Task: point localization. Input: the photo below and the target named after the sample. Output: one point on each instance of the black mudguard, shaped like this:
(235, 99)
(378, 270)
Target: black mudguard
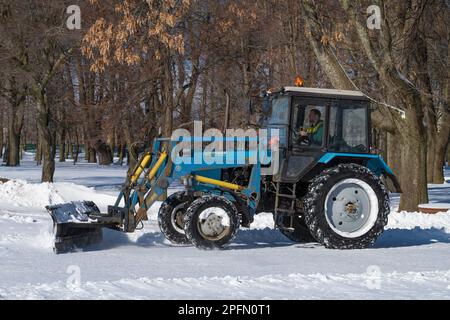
(392, 183)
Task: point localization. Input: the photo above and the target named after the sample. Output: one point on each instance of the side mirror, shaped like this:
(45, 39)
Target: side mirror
(266, 106)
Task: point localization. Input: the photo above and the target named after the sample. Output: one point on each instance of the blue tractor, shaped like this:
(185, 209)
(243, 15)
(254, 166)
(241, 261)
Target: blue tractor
(328, 187)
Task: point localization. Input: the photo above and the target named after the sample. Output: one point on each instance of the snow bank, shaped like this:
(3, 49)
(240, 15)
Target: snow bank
(412, 220)
(397, 220)
(73, 192)
(19, 193)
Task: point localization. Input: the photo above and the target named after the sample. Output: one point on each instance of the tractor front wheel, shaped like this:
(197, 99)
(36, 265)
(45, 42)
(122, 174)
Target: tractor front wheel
(211, 222)
(171, 215)
(346, 207)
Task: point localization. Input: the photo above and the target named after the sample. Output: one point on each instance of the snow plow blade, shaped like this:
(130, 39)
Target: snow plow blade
(79, 224)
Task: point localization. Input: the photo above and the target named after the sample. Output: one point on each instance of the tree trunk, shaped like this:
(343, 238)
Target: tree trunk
(133, 155)
(46, 137)
(68, 150)
(382, 143)
(5, 154)
(77, 148)
(62, 151)
(411, 130)
(226, 121)
(212, 109)
(111, 144)
(1, 134)
(439, 160)
(104, 153)
(437, 146)
(131, 147)
(38, 157)
(442, 126)
(393, 153)
(1, 142)
(439, 163)
(14, 149)
(204, 102)
(413, 178)
(62, 145)
(76, 152)
(448, 154)
(23, 144)
(431, 156)
(121, 153)
(168, 117)
(443, 136)
(90, 154)
(15, 125)
(438, 128)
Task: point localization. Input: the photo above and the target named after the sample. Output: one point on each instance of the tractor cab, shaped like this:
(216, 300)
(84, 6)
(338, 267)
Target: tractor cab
(316, 122)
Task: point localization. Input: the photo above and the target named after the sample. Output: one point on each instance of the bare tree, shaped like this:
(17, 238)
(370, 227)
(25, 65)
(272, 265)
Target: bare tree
(33, 39)
(389, 54)
(2, 128)
(14, 93)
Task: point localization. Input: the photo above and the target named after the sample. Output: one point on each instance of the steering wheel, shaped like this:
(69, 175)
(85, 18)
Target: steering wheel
(360, 148)
(298, 139)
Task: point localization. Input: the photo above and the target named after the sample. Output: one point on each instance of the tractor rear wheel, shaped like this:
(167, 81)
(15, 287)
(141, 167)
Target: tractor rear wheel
(346, 207)
(171, 215)
(211, 222)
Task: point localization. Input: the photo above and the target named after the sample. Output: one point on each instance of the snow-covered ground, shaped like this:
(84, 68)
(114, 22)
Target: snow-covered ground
(411, 260)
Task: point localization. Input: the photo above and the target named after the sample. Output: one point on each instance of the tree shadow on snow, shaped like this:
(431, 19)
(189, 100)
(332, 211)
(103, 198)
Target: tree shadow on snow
(392, 238)
(115, 239)
(258, 239)
(270, 238)
(245, 239)
(398, 238)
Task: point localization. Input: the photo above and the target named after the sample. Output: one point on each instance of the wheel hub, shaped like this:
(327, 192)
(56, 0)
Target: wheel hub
(214, 224)
(351, 208)
(176, 217)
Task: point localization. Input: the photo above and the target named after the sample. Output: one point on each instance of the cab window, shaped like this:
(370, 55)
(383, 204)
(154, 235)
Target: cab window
(348, 128)
(308, 124)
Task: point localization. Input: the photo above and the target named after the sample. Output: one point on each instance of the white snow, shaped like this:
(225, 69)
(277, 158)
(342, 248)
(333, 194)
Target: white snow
(411, 260)
(439, 206)
(22, 194)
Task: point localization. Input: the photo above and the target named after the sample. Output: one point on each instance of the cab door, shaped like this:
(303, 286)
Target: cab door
(306, 144)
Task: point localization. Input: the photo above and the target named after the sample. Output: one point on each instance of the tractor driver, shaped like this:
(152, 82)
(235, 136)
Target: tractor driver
(314, 134)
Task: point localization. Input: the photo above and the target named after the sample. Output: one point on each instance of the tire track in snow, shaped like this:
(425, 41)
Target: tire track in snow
(410, 285)
(19, 218)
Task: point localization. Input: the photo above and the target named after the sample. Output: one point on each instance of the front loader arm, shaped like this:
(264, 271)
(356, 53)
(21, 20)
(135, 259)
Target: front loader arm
(145, 185)
(79, 224)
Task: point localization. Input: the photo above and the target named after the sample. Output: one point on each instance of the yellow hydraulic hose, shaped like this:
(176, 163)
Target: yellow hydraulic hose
(158, 165)
(219, 183)
(141, 168)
